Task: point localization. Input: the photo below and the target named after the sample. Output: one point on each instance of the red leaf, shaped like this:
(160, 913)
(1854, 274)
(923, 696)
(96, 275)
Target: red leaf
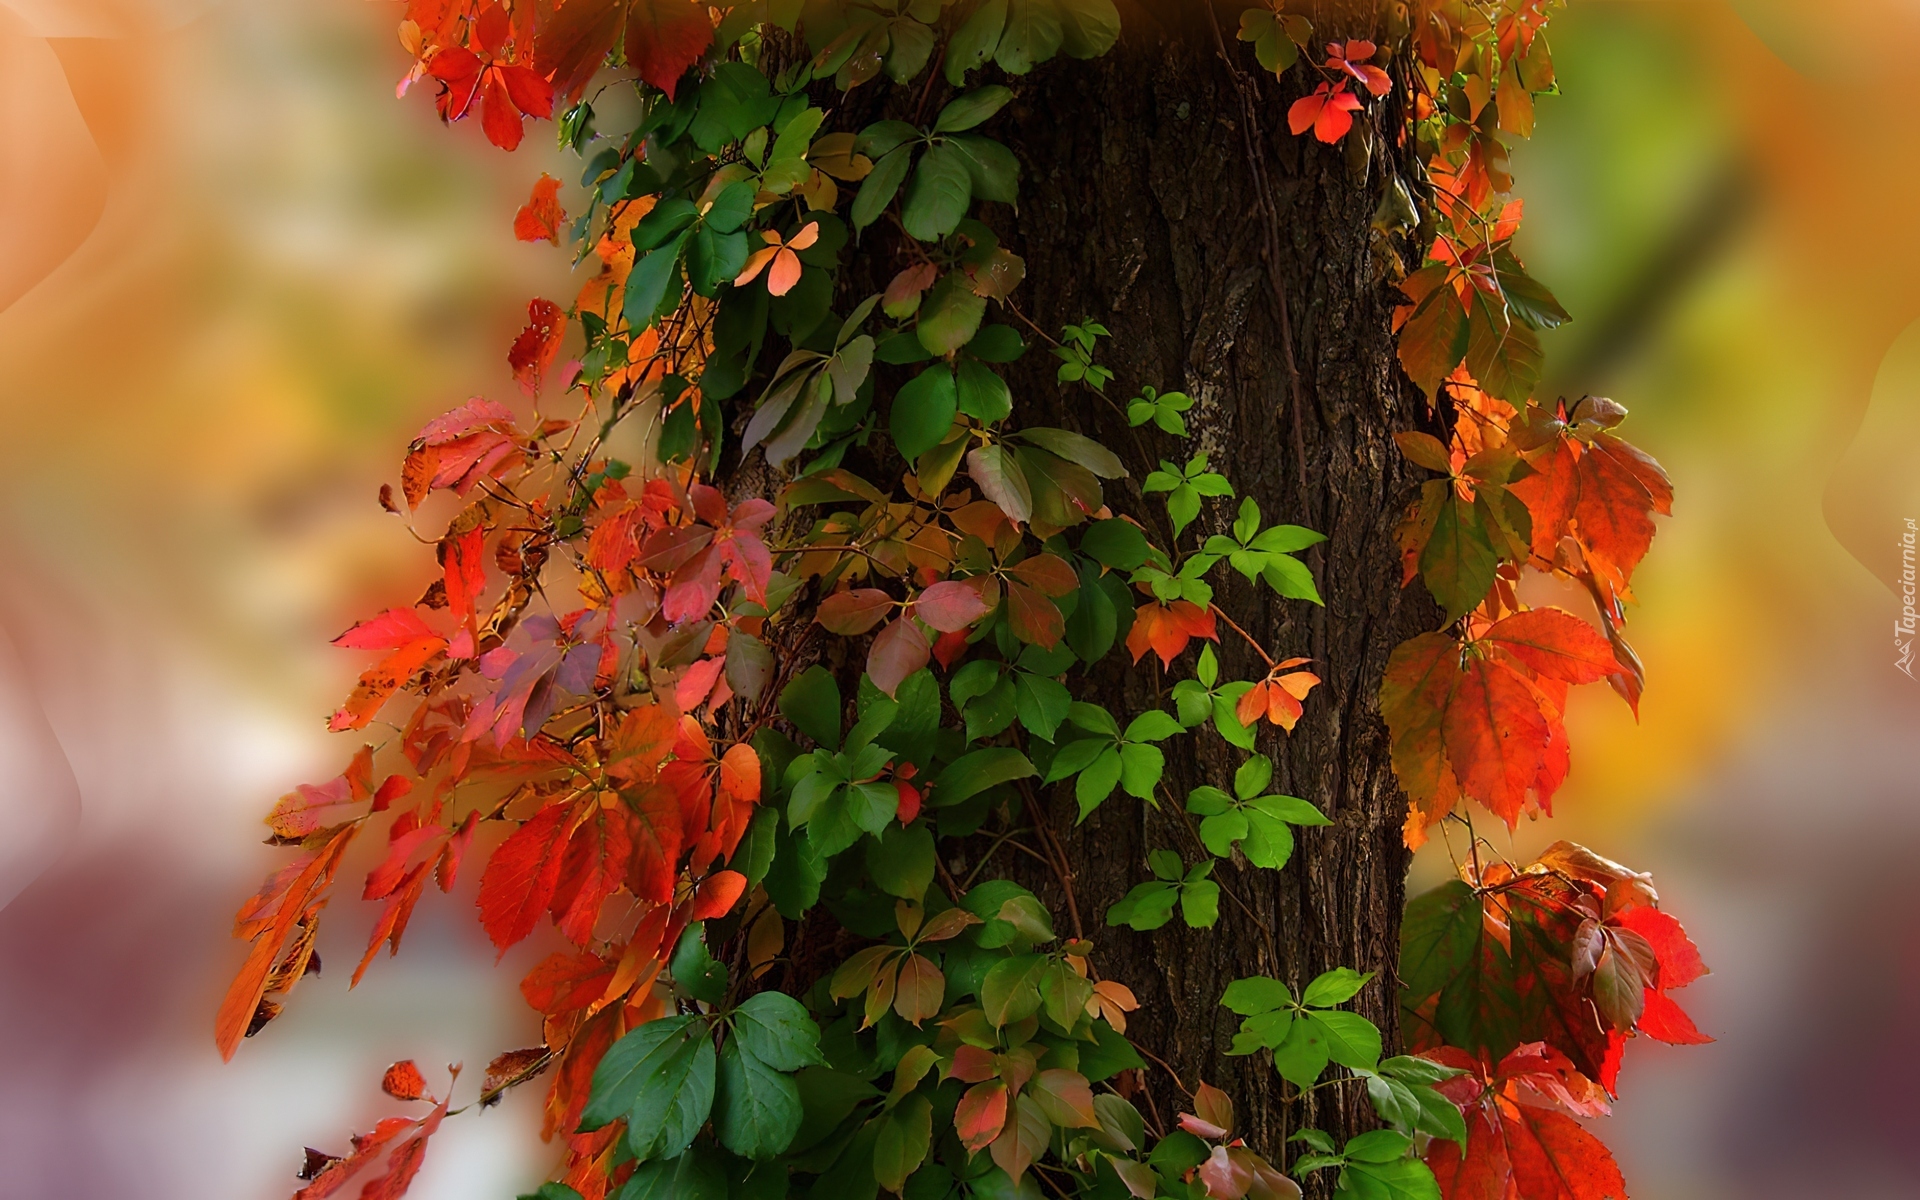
(563, 982)
(598, 858)
(918, 994)
(1328, 111)
(540, 218)
(950, 606)
(268, 917)
(403, 1081)
(657, 840)
(981, 1114)
(1556, 644)
(538, 344)
(519, 881)
(402, 1164)
(389, 631)
(1666, 1021)
(574, 41)
(498, 116)
(897, 652)
(852, 613)
(1047, 574)
(1032, 617)
(1679, 958)
(1496, 736)
(718, 893)
(665, 37)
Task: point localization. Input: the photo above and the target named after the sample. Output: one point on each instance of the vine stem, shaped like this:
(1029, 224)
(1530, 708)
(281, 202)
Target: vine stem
(1257, 647)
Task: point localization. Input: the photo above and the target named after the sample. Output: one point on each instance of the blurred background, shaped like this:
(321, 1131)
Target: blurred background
(236, 276)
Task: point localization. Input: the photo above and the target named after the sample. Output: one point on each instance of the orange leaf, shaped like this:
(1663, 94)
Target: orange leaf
(718, 893)
(1166, 629)
(540, 218)
(403, 1081)
(382, 681)
(1495, 735)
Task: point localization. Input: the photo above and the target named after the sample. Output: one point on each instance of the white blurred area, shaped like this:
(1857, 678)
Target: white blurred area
(236, 275)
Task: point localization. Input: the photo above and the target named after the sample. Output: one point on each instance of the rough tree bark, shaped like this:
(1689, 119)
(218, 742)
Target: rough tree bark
(1163, 196)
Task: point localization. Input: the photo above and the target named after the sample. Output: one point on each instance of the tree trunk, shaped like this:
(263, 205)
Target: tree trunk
(1163, 196)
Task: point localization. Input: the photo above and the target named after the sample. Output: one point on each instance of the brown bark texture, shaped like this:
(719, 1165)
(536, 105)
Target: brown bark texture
(1163, 196)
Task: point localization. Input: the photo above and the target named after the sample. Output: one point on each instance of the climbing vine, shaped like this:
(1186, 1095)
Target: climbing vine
(723, 720)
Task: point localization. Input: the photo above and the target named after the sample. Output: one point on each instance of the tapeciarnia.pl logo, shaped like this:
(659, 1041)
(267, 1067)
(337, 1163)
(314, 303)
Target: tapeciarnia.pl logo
(1904, 624)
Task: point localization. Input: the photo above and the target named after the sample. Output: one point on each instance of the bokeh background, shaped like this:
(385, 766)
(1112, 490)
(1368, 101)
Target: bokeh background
(235, 276)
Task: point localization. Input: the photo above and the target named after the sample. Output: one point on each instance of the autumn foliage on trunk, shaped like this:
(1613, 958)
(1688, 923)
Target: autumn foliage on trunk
(764, 621)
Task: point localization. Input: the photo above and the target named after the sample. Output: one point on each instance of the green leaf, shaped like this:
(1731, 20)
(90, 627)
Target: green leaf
(1458, 563)
(1378, 1146)
(992, 170)
(996, 344)
(812, 703)
(1078, 448)
(1200, 904)
(1074, 757)
(922, 411)
(977, 771)
(778, 1030)
(1108, 1055)
(793, 880)
(649, 281)
(1256, 994)
(1303, 1055)
(880, 186)
(1402, 1179)
(735, 100)
(660, 1077)
(971, 109)
(949, 315)
(714, 258)
(731, 208)
(1032, 35)
(1291, 809)
(937, 198)
(1141, 767)
(1097, 781)
(1089, 28)
(1351, 1039)
(694, 969)
(1115, 543)
(974, 42)
(1151, 726)
(1290, 578)
(981, 393)
(757, 1108)
(1001, 479)
(1011, 990)
(905, 1135)
(665, 219)
(1146, 906)
(901, 860)
(1334, 987)
(1041, 703)
(1503, 355)
(1526, 296)
(1093, 718)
